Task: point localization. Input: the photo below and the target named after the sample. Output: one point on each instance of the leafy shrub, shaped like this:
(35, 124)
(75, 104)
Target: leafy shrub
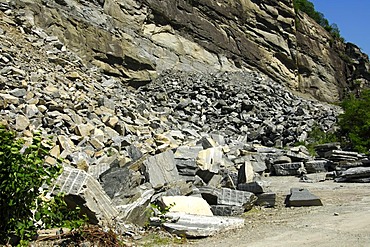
(317, 136)
(24, 207)
(355, 121)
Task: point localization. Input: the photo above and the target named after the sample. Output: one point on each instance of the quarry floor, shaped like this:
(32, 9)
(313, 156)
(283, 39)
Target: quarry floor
(343, 220)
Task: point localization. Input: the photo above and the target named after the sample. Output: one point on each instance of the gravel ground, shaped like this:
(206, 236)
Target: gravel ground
(344, 220)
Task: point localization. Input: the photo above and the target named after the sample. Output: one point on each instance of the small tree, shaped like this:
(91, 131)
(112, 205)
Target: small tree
(355, 121)
(23, 206)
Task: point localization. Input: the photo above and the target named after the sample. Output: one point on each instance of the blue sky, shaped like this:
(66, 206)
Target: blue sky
(352, 18)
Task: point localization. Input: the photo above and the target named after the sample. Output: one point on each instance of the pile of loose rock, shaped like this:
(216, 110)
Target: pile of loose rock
(188, 142)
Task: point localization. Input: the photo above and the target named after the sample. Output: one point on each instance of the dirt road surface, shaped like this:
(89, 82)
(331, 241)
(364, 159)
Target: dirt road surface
(343, 220)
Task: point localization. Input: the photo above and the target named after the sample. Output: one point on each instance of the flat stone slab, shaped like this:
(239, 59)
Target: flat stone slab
(197, 226)
(302, 197)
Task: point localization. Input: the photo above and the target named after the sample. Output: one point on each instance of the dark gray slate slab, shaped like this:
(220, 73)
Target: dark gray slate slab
(302, 197)
(197, 226)
(227, 210)
(315, 166)
(267, 199)
(290, 169)
(161, 169)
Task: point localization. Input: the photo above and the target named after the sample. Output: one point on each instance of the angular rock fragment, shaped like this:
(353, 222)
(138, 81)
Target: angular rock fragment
(315, 166)
(114, 180)
(255, 187)
(289, 169)
(355, 174)
(186, 204)
(197, 226)
(82, 189)
(302, 197)
(267, 199)
(137, 211)
(210, 159)
(225, 196)
(161, 169)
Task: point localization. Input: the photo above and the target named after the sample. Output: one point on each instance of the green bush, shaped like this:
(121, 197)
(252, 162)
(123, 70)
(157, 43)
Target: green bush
(24, 207)
(355, 121)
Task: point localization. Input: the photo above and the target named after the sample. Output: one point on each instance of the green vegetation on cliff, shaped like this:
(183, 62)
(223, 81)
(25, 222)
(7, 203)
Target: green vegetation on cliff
(355, 121)
(309, 8)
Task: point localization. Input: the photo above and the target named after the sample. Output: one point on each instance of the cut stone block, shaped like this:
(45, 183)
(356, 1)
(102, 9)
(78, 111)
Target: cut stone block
(161, 169)
(290, 169)
(227, 210)
(237, 198)
(84, 190)
(196, 226)
(302, 197)
(186, 204)
(315, 166)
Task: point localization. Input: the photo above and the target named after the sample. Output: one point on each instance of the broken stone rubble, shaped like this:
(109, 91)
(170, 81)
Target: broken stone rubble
(130, 146)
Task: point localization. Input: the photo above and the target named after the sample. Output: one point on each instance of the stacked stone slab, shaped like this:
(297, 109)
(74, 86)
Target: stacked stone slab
(349, 166)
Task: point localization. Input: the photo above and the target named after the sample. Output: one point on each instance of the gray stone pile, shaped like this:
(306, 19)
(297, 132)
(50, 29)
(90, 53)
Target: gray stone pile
(241, 105)
(348, 166)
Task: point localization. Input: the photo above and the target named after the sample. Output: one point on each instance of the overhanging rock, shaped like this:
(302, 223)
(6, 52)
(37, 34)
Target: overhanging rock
(84, 190)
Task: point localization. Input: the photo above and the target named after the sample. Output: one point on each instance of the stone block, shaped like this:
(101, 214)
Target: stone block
(256, 187)
(302, 197)
(236, 197)
(246, 173)
(315, 166)
(186, 167)
(82, 189)
(267, 199)
(197, 226)
(114, 180)
(186, 152)
(210, 159)
(186, 204)
(161, 169)
(289, 169)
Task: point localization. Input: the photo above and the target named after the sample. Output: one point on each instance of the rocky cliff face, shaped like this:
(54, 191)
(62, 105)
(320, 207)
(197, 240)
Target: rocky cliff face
(138, 39)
